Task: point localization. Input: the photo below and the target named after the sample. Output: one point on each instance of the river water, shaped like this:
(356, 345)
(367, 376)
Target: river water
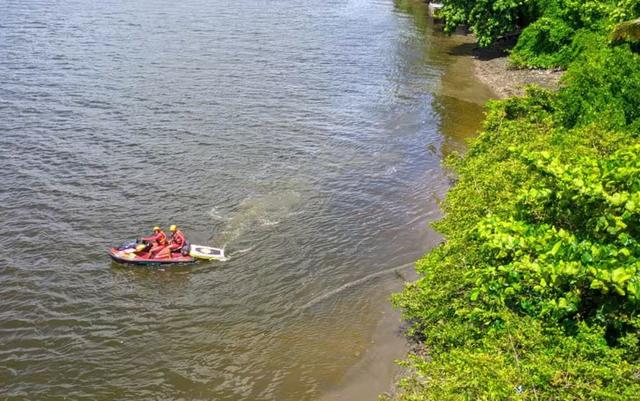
(306, 137)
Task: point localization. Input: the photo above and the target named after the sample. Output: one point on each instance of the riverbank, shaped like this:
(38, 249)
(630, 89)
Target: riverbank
(459, 98)
(530, 294)
(492, 67)
(489, 75)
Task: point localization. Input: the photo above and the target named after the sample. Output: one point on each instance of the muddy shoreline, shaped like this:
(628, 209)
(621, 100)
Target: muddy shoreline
(492, 67)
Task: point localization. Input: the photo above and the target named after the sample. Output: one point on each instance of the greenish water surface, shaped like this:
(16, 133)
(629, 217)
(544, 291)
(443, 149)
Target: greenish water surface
(306, 137)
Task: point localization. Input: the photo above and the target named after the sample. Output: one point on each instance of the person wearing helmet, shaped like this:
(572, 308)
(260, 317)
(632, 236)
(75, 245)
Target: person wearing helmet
(158, 242)
(178, 240)
(159, 238)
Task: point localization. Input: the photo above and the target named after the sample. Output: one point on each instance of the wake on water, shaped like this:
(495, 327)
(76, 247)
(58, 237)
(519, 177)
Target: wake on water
(262, 210)
(352, 284)
(269, 210)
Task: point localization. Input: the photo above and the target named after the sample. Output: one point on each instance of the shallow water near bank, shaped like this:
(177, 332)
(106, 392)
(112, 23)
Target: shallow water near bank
(304, 137)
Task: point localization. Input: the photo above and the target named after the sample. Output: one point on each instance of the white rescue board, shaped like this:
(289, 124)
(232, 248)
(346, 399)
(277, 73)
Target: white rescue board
(206, 252)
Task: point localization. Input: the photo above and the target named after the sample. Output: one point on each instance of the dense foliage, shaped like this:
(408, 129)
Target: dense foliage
(535, 293)
(553, 33)
(489, 19)
(604, 86)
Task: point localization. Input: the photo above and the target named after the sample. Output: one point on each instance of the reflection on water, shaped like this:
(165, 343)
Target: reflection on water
(304, 136)
(459, 97)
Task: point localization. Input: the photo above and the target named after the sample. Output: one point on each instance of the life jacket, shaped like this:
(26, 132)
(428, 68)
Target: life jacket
(177, 240)
(159, 238)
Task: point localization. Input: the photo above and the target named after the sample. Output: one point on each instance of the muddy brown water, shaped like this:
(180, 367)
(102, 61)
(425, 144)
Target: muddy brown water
(305, 137)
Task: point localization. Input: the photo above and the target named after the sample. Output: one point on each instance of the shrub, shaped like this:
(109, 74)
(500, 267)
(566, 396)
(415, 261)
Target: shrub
(603, 87)
(548, 26)
(534, 294)
(569, 250)
(544, 44)
(489, 19)
(523, 360)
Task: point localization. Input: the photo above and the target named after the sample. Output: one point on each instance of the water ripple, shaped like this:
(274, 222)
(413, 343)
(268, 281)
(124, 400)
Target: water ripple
(293, 133)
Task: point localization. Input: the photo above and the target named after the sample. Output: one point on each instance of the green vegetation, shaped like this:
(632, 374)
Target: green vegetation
(535, 293)
(553, 31)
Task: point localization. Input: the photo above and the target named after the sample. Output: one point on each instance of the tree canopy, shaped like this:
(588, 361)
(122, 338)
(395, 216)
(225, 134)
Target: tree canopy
(551, 32)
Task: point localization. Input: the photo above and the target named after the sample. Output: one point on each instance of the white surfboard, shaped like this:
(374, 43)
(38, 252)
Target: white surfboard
(206, 252)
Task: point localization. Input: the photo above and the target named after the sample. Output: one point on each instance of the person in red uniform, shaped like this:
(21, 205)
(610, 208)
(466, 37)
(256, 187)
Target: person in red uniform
(178, 240)
(158, 242)
(158, 237)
